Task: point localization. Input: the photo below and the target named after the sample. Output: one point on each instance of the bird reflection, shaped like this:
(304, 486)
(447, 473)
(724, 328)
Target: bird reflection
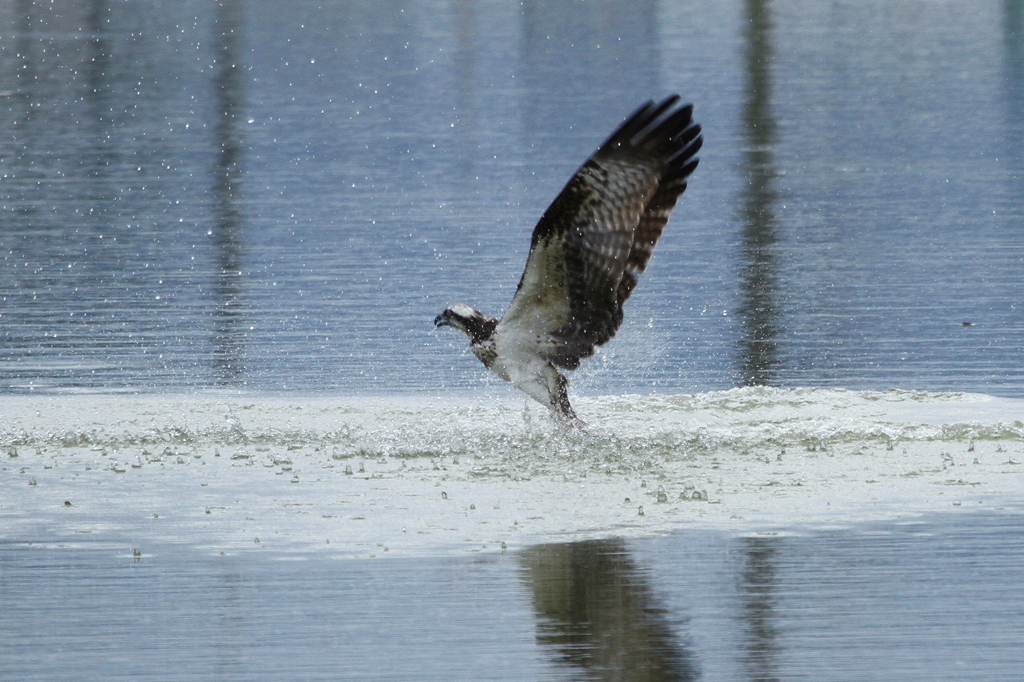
(227, 218)
(758, 596)
(597, 613)
(759, 278)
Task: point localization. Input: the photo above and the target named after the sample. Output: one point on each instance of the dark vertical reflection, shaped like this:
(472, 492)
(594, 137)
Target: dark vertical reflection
(1013, 38)
(98, 62)
(27, 77)
(758, 597)
(1013, 32)
(100, 156)
(233, 592)
(597, 613)
(758, 278)
(464, 67)
(228, 224)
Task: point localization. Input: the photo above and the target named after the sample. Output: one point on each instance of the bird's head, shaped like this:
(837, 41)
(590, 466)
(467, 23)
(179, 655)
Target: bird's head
(467, 320)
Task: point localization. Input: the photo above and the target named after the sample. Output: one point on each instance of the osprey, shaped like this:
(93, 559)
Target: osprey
(586, 254)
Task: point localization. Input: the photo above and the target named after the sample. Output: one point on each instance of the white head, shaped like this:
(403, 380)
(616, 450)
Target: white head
(471, 322)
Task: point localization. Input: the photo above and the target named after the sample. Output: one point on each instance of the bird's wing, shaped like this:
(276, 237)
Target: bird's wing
(596, 237)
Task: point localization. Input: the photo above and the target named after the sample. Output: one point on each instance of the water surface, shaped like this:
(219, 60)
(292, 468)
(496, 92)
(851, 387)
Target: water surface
(936, 598)
(205, 195)
(198, 197)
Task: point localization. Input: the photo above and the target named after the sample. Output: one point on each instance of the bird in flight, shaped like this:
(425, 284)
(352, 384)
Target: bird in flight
(586, 253)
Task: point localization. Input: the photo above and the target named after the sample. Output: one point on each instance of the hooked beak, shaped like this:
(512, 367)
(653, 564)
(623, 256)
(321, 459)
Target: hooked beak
(442, 320)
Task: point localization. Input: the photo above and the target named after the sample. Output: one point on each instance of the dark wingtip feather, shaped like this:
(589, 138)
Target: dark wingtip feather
(688, 135)
(629, 127)
(677, 177)
(680, 118)
(645, 120)
(665, 105)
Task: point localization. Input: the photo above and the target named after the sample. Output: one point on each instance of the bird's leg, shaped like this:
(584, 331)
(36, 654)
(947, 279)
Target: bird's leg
(548, 387)
(560, 402)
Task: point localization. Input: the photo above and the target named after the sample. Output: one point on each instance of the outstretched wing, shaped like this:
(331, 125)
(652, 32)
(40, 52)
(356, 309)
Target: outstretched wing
(596, 237)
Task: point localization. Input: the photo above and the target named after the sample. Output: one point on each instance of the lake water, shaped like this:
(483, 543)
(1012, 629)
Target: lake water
(928, 599)
(226, 228)
(199, 196)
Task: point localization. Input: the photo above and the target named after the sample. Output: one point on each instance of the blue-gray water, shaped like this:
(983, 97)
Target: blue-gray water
(936, 598)
(281, 196)
(232, 194)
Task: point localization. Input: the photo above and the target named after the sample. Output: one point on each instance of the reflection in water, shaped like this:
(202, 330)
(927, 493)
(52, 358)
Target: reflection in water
(232, 592)
(758, 309)
(125, 144)
(229, 314)
(758, 590)
(99, 156)
(596, 612)
(467, 41)
(1013, 32)
(98, 91)
(1013, 36)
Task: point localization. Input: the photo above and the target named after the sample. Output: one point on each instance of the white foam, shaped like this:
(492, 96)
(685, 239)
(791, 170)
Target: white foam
(366, 477)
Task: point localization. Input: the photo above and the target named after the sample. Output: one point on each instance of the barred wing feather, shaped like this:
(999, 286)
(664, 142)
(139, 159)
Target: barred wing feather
(597, 236)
